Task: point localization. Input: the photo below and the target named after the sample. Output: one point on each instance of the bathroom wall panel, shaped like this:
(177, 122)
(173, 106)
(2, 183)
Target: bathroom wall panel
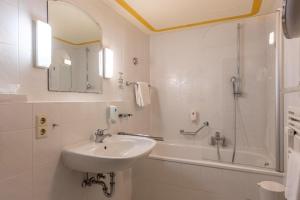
(292, 62)
(77, 121)
(125, 40)
(159, 180)
(16, 153)
(35, 165)
(18, 187)
(122, 37)
(9, 73)
(191, 71)
(9, 28)
(16, 147)
(15, 117)
(32, 168)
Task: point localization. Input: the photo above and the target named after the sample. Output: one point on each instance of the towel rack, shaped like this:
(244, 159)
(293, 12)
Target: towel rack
(128, 83)
(293, 119)
(292, 133)
(142, 135)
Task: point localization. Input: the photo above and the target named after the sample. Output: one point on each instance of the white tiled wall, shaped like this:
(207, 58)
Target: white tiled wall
(9, 43)
(32, 168)
(291, 72)
(291, 62)
(191, 70)
(16, 50)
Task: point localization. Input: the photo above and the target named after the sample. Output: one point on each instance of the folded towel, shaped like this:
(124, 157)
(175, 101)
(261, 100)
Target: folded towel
(292, 190)
(142, 94)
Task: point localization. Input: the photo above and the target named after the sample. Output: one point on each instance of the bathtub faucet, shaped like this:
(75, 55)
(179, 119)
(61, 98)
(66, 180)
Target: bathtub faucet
(218, 140)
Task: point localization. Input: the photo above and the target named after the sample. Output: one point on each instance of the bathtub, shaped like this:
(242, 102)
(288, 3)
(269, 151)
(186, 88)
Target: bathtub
(248, 161)
(176, 172)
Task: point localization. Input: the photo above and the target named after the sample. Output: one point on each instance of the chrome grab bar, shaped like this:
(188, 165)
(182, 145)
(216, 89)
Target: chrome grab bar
(142, 135)
(183, 132)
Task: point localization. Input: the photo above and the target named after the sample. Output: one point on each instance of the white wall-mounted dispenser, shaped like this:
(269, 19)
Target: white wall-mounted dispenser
(112, 114)
(193, 116)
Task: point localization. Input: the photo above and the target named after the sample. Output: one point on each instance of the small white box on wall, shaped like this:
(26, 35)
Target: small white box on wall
(112, 114)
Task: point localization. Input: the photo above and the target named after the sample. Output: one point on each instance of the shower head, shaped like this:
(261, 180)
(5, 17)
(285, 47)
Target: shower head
(236, 86)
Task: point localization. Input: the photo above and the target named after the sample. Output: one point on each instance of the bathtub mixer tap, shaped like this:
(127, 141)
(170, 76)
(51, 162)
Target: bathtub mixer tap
(218, 140)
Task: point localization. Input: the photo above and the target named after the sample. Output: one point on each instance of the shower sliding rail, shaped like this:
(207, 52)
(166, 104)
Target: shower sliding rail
(183, 132)
(142, 135)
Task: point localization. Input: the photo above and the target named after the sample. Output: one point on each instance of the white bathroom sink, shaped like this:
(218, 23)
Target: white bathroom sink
(116, 153)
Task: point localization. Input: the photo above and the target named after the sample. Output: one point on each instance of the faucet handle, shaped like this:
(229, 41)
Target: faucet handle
(100, 132)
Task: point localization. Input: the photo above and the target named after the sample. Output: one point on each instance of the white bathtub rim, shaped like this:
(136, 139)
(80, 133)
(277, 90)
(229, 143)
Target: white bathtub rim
(239, 149)
(232, 167)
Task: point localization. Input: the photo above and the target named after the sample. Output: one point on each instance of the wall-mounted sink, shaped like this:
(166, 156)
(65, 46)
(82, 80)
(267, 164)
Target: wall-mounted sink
(114, 154)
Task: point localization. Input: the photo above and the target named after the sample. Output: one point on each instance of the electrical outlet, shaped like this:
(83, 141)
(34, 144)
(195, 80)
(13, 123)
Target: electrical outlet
(41, 132)
(41, 120)
(41, 123)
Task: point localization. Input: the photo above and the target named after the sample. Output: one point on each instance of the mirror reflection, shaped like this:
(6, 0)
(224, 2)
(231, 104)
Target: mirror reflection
(76, 46)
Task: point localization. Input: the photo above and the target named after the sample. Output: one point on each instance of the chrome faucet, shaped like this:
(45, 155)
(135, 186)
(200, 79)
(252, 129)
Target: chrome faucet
(100, 136)
(218, 140)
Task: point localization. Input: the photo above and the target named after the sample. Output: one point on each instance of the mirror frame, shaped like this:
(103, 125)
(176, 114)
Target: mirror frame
(100, 91)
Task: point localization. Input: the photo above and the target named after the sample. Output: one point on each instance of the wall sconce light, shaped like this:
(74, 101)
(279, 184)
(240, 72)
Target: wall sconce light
(108, 62)
(271, 38)
(43, 44)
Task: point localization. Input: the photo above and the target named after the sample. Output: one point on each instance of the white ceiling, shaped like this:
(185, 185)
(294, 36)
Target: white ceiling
(163, 14)
(71, 24)
(169, 13)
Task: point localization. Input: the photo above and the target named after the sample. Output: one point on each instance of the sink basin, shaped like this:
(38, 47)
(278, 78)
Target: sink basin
(116, 153)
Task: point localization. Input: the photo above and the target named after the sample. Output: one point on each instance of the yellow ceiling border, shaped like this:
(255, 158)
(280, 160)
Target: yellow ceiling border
(255, 9)
(72, 43)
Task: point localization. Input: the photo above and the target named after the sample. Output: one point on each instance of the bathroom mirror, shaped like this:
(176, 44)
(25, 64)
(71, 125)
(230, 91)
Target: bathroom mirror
(76, 47)
(291, 18)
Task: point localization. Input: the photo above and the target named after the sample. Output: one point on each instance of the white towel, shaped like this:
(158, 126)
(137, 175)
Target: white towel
(142, 94)
(292, 190)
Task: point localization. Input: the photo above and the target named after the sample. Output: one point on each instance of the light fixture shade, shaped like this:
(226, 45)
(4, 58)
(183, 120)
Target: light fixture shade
(108, 63)
(43, 44)
(101, 63)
